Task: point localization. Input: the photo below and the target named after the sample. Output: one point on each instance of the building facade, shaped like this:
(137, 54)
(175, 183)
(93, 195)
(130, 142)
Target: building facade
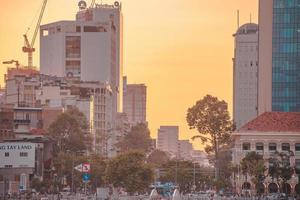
(185, 149)
(268, 134)
(87, 49)
(50, 95)
(167, 139)
(245, 66)
(279, 68)
(21, 160)
(134, 103)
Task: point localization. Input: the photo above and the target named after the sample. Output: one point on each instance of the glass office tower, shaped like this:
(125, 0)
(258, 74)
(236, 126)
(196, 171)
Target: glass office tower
(286, 56)
(279, 56)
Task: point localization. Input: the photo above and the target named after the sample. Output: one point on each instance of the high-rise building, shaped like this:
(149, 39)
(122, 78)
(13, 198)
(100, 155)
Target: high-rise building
(87, 49)
(279, 60)
(167, 139)
(134, 102)
(245, 64)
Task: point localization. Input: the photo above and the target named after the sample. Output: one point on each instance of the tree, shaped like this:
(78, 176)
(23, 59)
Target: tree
(157, 158)
(280, 168)
(253, 164)
(211, 118)
(98, 166)
(69, 131)
(225, 168)
(137, 139)
(130, 171)
(182, 173)
(64, 162)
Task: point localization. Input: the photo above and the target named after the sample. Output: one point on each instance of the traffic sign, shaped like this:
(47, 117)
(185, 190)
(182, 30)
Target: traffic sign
(86, 167)
(78, 168)
(86, 177)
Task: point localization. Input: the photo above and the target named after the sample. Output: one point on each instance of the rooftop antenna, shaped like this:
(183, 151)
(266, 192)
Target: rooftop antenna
(238, 19)
(250, 18)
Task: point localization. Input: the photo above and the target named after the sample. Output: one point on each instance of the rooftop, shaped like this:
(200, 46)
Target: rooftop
(274, 122)
(249, 28)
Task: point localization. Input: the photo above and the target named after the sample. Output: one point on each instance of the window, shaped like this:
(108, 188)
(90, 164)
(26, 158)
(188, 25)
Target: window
(272, 147)
(17, 177)
(259, 146)
(297, 147)
(285, 147)
(297, 166)
(94, 29)
(8, 166)
(246, 146)
(23, 154)
(45, 32)
(78, 29)
(73, 46)
(6, 154)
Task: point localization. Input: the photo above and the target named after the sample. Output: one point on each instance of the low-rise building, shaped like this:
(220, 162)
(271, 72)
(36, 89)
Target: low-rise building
(200, 157)
(268, 134)
(21, 160)
(39, 97)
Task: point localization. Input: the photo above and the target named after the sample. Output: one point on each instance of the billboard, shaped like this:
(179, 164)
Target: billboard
(17, 154)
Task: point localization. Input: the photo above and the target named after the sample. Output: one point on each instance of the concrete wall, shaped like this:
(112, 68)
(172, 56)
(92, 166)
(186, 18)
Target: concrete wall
(265, 56)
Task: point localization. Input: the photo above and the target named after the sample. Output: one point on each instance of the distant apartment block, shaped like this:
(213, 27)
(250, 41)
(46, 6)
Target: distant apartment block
(185, 149)
(134, 103)
(167, 139)
(245, 67)
(47, 96)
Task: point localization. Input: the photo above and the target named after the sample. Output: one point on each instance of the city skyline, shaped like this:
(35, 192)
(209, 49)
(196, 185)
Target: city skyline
(188, 32)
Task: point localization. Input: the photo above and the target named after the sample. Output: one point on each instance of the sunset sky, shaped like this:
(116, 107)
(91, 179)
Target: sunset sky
(181, 49)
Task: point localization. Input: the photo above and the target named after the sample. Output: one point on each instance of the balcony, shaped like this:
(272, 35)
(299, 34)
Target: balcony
(22, 121)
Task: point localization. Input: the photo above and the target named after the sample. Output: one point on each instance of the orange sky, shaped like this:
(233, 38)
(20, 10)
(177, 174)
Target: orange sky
(181, 49)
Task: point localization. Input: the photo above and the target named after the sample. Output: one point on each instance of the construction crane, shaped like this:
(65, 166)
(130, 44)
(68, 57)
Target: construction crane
(11, 62)
(92, 4)
(29, 47)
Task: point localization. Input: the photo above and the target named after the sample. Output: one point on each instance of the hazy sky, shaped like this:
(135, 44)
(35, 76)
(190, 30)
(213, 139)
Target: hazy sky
(181, 49)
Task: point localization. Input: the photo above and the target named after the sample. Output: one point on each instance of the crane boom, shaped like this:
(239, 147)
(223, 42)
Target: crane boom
(38, 23)
(29, 47)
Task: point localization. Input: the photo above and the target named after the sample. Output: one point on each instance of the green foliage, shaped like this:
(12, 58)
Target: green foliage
(64, 163)
(69, 131)
(130, 171)
(98, 167)
(225, 158)
(279, 166)
(39, 186)
(253, 164)
(137, 139)
(210, 117)
(182, 173)
(157, 158)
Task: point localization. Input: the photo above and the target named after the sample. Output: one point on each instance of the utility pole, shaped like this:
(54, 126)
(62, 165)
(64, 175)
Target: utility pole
(72, 189)
(194, 187)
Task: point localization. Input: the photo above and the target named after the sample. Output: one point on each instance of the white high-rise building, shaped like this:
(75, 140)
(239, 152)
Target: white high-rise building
(87, 49)
(134, 102)
(167, 139)
(245, 67)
